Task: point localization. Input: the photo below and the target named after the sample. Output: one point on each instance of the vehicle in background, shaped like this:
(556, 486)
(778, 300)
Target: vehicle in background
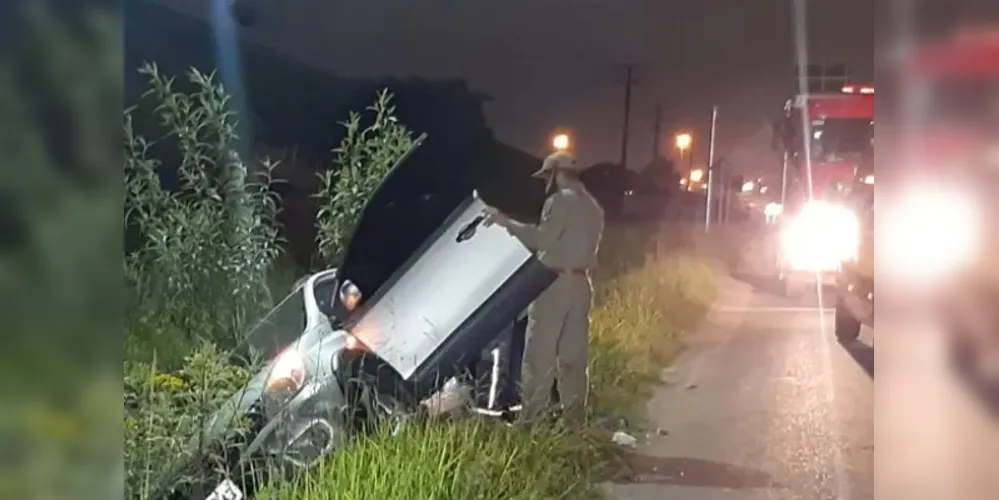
(942, 237)
(825, 137)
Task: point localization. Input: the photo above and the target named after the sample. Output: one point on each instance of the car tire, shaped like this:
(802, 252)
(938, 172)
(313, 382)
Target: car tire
(846, 325)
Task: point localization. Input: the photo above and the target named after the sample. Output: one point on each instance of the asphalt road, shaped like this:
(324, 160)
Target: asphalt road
(767, 405)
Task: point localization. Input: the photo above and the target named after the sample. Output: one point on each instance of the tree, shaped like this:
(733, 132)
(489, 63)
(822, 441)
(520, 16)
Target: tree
(608, 182)
(660, 175)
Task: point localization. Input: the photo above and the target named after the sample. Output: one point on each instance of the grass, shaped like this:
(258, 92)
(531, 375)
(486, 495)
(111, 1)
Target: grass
(473, 459)
(660, 293)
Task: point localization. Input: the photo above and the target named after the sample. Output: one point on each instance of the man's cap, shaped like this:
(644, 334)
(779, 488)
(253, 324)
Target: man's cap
(559, 161)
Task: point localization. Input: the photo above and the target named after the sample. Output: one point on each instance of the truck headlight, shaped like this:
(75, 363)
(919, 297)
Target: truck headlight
(350, 295)
(285, 379)
(930, 232)
(820, 237)
(773, 210)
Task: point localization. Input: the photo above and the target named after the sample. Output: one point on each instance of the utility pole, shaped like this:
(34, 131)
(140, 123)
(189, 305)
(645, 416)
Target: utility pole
(710, 172)
(629, 84)
(657, 133)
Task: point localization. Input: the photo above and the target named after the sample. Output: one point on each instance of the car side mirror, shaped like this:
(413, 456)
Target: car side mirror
(350, 295)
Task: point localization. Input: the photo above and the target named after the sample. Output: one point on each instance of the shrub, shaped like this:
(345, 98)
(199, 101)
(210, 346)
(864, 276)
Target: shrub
(363, 159)
(162, 409)
(200, 269)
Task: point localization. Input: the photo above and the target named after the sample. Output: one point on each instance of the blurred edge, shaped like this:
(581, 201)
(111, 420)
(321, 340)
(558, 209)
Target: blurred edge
(60, 244)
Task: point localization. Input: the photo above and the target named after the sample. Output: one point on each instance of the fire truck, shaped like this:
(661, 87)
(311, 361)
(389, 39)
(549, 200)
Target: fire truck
(826, 139)
(942, 239)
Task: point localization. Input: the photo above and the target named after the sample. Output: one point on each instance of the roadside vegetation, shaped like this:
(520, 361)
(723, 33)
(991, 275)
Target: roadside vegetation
(204, 265)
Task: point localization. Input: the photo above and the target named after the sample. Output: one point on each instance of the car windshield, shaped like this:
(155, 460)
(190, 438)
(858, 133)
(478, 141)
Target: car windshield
(280, 327)
(838, 137)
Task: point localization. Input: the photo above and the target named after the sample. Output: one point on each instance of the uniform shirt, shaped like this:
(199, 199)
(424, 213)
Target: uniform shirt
(568, 235)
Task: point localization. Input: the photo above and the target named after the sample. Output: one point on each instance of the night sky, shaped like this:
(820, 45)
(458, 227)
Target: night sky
(560, 63)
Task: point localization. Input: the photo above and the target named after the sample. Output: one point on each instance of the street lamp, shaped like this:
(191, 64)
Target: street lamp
(683, 142)
(561, 142)
(696, 176)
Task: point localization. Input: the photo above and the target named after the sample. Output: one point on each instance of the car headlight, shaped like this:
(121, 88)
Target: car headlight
(350, 295)
(931, 232)
(285, 379)
(773, 209)
(820, 237)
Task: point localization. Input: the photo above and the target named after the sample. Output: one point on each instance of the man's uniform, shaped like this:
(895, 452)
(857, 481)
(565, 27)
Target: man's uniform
(566, 240)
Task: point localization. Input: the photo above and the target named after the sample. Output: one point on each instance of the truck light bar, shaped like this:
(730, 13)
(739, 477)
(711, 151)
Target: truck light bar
(853, 89)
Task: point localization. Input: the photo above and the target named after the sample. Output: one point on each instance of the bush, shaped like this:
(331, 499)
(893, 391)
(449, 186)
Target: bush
(205, 249)
(364, 158)
(164, 407)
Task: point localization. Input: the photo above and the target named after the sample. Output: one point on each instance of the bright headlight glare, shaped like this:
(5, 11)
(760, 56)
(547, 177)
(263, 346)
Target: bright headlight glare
(930, 232)
(773, 209)
(287, 372)
(820, 237)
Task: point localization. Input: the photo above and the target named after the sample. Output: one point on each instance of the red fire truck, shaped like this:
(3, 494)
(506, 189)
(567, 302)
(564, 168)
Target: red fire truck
(826, 137)
(943, 222)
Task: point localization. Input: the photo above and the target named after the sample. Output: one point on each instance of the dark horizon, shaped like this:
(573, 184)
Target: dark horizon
(548, 65)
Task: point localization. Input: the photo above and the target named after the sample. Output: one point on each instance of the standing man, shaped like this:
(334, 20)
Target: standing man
(566, 240)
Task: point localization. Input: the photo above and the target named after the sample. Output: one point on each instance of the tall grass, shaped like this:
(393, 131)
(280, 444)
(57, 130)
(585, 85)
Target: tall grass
(456, 460)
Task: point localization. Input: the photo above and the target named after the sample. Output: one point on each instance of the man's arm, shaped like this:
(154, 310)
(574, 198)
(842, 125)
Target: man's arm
(547, 232)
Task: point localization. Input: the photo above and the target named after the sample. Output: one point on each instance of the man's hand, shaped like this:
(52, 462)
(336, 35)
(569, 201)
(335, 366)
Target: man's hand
(494, 216)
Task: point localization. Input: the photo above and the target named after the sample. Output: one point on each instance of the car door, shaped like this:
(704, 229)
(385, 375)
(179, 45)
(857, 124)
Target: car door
(440, 284)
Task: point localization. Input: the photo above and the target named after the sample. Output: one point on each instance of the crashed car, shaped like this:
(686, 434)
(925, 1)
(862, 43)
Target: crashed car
(424, 290)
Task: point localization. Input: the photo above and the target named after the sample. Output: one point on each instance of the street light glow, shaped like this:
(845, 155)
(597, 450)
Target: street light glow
(684, 141)
(561, 142)
(696, 175)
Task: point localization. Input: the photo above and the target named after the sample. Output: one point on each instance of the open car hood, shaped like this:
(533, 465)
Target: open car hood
(408, 206)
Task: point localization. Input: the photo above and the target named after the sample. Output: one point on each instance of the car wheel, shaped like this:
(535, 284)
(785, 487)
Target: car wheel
(846, 325)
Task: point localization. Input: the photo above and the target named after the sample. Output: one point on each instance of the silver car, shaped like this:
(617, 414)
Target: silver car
(424, 290)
